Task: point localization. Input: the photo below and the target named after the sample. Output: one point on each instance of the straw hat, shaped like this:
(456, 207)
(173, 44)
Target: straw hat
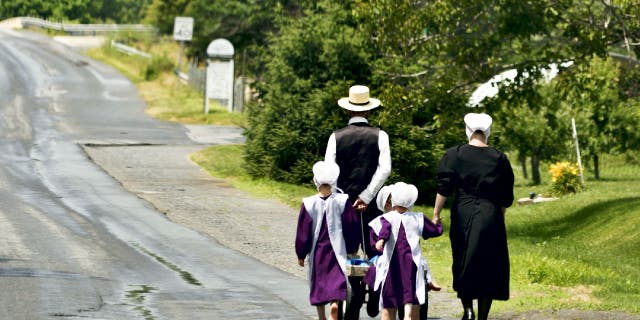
(358, 100)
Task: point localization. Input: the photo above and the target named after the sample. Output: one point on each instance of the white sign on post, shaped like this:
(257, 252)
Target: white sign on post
(219, 81)
(183, 29)
(220, 73)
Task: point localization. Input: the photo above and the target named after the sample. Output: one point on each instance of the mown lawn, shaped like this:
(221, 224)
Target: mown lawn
(578, 252)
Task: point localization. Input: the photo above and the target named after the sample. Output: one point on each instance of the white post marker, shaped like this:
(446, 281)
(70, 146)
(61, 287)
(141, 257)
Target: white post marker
(182, 31)
(575, 136)
(220, 74)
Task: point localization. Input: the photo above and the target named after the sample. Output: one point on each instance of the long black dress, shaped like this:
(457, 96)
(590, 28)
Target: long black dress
(482, 180)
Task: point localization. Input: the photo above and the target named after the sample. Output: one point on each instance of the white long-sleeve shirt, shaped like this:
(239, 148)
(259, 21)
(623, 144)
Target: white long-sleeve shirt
(384, 161)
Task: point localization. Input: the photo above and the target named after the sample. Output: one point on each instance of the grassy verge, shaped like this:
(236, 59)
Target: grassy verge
(578, 252)
(167, 98)
(227, 162)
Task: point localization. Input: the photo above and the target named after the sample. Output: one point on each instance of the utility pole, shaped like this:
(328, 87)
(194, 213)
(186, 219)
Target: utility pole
(575, 137)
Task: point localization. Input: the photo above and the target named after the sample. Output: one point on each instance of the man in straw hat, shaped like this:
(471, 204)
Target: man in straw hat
(362, 152)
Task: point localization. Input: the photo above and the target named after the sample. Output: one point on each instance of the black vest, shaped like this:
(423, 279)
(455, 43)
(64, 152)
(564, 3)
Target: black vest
(357, 154)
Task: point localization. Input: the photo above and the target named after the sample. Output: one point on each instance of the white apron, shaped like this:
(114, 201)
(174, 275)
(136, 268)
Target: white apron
(333, 207)
(413, 223)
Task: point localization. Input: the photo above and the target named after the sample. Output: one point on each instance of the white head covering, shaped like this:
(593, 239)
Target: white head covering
(325, 173)
(478, 121)
(403, 195)
(382, 197)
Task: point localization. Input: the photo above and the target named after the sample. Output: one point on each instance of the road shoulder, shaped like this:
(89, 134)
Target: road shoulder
(166, 178)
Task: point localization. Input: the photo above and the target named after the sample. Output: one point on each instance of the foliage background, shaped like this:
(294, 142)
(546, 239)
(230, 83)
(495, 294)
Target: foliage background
(423, 59)
(81, 11)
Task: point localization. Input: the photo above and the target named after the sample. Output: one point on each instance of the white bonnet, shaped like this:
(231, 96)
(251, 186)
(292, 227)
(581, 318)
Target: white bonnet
(478, 121)
(325, 173)
(382, 197)
(403, 195)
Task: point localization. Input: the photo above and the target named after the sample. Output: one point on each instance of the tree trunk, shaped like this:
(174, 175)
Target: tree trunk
(523, 164)
(596, 167)
(535, 169)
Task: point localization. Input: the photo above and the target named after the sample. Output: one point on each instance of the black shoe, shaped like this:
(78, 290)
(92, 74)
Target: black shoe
(373, 303)
(468, 315)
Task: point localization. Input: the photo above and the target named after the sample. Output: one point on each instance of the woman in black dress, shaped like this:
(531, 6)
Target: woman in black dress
(482, 180)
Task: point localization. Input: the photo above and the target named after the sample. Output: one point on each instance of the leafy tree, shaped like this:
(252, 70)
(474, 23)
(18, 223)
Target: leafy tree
(123, 11)
(532, 123)
(226, 19)
(309, 65)
(82, 11)
(444, 48)
(162, 13)
(424, 60)
(21, 8)
(607, 123)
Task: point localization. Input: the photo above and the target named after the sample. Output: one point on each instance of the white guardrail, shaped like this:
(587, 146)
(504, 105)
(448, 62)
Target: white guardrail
(129, 50)
(83, 28)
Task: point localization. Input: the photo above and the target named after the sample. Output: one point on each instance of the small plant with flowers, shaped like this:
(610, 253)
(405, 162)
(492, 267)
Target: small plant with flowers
(565, 178)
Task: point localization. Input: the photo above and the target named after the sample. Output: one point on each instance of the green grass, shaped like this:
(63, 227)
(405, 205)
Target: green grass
(166, 97)
(578, 252)
(227, 162)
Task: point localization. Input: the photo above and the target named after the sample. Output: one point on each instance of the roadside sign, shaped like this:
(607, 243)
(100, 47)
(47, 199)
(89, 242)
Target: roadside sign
(220, 73)
(183, 28)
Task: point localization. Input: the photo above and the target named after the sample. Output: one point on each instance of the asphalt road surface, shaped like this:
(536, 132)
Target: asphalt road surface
(73, 242)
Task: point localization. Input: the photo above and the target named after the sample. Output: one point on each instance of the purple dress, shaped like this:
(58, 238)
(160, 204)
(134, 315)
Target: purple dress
(400, 284)
(328, 281)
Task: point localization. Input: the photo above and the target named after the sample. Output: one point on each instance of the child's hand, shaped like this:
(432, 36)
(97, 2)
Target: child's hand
(301, 262)
(380, 245)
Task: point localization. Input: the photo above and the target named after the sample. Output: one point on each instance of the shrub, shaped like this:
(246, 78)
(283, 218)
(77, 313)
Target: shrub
(309, 66)
(156, 66)
(565, 178)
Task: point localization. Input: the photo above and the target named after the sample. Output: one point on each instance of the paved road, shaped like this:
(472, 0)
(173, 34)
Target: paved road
(73, 242)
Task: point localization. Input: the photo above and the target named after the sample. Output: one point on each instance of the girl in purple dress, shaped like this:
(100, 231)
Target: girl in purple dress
(328, 229)
(399, 270)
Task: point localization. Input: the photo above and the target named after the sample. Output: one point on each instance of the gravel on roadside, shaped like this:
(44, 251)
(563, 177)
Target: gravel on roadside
(166, 177)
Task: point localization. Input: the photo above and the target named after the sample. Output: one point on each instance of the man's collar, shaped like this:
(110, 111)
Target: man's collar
(358, 119)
